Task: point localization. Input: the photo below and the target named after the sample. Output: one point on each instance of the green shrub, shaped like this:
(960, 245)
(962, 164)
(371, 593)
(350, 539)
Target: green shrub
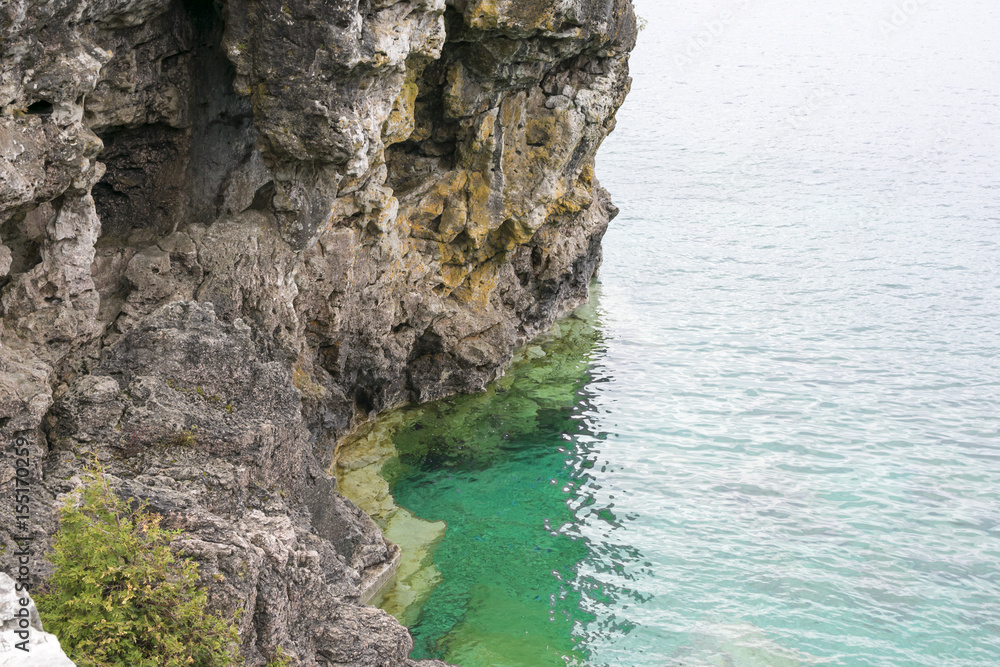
(119, 596)
(280, 659)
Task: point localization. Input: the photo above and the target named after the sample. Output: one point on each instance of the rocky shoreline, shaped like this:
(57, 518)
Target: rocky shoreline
(232, 232)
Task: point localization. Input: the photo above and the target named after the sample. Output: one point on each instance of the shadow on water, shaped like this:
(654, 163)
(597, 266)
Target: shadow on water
(508, 472)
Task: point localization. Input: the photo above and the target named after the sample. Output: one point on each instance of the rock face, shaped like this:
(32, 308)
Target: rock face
(230, 231)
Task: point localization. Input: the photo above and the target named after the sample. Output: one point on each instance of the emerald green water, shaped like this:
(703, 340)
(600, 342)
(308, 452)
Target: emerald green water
(500, 469)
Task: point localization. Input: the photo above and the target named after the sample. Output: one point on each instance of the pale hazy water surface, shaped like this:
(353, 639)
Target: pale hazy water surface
(799, 381)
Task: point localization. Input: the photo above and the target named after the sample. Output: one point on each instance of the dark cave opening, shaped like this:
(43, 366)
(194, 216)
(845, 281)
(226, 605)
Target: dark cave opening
(174, 170)
(40, 108)
(209, 11)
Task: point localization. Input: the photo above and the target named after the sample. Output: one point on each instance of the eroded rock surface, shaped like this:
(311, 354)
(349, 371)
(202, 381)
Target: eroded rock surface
(232, 231)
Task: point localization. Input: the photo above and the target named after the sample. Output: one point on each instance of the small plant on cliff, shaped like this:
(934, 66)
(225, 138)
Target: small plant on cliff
(119, 595)
(280, 659)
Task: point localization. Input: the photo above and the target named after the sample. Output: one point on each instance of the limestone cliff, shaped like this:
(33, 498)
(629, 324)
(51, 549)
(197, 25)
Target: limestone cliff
(232, 230)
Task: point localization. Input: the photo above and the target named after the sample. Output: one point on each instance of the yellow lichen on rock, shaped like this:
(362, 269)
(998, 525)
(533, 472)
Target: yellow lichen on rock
(453, 275)
(399, 126)
(477, 288)
(531, 14)
(479, 208)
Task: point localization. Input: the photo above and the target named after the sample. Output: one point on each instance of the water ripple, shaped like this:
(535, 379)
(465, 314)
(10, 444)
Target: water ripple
(801, 351)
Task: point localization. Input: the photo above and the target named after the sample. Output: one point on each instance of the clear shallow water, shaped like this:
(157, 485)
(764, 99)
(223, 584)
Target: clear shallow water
(503, 469)
(783, 434)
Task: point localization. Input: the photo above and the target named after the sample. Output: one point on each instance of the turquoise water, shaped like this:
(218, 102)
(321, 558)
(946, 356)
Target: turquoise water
(503, 469)
(777, 441)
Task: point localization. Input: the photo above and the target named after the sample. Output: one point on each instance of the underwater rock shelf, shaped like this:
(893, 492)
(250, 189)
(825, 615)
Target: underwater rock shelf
(485, 480)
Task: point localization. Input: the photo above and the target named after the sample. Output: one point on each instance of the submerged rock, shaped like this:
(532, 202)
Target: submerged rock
(737, 645)
(230, 233)
(360, 478)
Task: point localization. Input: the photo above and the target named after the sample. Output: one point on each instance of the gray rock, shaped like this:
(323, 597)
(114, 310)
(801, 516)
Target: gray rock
(23, 641)
(189, 414)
